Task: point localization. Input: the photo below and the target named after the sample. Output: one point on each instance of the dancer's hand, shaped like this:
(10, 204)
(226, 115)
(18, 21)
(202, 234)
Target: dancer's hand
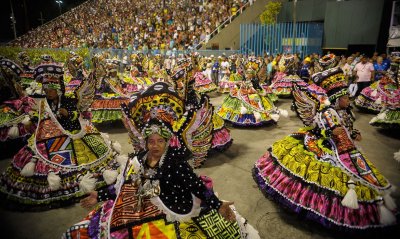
(227, 212)
(63, 112)
(89, 201)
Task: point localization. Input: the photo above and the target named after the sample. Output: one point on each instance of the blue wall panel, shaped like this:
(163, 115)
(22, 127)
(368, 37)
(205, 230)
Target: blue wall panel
(261, 39)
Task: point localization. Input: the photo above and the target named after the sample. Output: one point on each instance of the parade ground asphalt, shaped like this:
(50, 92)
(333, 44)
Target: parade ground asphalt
(231, 172)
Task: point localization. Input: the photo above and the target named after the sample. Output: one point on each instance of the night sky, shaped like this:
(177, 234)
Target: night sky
(49, 9)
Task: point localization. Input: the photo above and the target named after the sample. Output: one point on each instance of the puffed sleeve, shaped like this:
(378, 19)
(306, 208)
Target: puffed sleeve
(196, 186)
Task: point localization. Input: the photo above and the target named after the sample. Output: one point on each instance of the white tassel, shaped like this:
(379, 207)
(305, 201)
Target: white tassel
(397, 156)
(105, 136)
(29, 169)
(275, 117)
(29, 91)
(284, 113)
(38, 91)
(110, 176)
(386, 216)
(257, 116)
(121, 159)
(87, 183)
(13, 132)
(327, 102)
(117, 147)
(381, 116)
(374, 93)
(353, 89)
(350, 199)
(252, 233)
(243, 110)
(118, 182)
(392, 189)
(389, 202)
(54, 181)
(378, 101)
(26, 120)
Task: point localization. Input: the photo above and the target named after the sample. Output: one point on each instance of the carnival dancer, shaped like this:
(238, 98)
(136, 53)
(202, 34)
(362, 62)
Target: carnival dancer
(16, 109)
(220, 135)
(27, 80)
(166, 199)
(382, 94)
(110, 93)
(66, 157)
(282, 84)
(75, 74)
(224, 83)
(203, 82)
(245, 106)
(318, 171)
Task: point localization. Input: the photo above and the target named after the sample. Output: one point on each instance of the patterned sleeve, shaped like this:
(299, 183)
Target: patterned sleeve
(197, 187)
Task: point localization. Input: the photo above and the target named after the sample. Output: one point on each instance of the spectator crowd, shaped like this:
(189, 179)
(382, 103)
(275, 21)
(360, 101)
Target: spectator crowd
(133, 25)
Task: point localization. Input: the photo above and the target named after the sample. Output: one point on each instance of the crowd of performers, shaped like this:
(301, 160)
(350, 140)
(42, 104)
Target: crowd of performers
(317, 171)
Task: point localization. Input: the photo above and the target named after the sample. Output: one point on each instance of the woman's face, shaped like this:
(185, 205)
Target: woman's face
(344, 102)
(156, 145)
(51, 94)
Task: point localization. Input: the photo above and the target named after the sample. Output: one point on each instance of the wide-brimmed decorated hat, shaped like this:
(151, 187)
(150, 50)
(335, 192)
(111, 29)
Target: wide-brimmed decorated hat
(328, 61)
(159, 109)
(11, 66)
(332, 81)
(159, 102)
(50, 75)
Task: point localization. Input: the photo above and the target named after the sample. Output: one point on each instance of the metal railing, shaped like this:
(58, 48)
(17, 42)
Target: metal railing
(222, 25)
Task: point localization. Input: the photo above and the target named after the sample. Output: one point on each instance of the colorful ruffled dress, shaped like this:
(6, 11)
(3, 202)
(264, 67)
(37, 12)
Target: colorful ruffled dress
(165, 211)
(381, 94)
(107, 103)
(203, 84)
(246, 107)
(283, 87)
(63, 160)
(319, 173)
(221, 139)
(15, 108)
(15, 118)
(387, 119)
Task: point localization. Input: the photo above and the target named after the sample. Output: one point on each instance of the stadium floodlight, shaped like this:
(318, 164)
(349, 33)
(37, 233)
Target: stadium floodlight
(59, 5)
